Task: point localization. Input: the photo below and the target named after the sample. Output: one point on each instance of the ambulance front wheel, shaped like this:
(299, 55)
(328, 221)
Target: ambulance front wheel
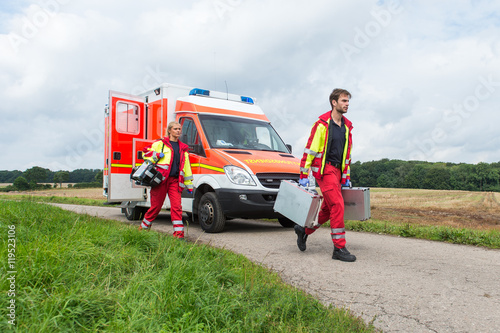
(210, 214)
(286, 222)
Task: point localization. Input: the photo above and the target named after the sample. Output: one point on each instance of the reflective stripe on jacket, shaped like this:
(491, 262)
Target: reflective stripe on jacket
(316, 149)
(185, 174)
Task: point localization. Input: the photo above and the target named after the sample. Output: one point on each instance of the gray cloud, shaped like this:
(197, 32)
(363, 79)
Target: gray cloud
(424, 76)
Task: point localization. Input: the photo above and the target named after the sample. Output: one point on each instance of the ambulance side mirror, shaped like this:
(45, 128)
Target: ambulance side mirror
(289, 147)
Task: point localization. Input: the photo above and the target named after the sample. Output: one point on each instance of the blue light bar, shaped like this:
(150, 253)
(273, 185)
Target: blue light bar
(247, 99)
(198, 91)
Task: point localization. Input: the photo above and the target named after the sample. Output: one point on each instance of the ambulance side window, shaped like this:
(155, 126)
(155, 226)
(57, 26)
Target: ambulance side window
(191, 137)
(127, 118)
(264, 136)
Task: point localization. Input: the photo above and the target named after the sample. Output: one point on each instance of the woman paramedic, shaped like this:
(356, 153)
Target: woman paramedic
(173, 164)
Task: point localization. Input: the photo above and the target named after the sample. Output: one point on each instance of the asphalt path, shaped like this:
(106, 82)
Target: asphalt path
(398, 284)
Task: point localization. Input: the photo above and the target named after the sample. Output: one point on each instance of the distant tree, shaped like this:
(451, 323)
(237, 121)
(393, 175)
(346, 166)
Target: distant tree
(401, 171)
(9, 176)
(429, 175)
(99, 177)
(437, 177)
(416, 176)
(385, 180)
(83, 175)
(464, 177)
(21, 184)
(487, 176)
(61, 177)
(36, 174)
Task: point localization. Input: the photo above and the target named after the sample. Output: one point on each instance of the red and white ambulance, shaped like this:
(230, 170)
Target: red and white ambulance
(237, 158)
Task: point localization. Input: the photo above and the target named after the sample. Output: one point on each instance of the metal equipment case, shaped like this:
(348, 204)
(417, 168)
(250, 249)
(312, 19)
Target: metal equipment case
(356, 203)
(302, 206)
(298, 204)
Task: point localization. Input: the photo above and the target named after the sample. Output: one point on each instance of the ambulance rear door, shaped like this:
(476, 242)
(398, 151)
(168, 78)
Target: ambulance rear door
(126, 121)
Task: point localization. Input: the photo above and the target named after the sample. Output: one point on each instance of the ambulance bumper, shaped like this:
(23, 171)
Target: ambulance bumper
(248, 204)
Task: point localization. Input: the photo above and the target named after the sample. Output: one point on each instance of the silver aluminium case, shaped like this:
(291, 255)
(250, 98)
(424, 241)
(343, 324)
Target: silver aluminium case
(298, 204)
(356, 203)
(302, 206)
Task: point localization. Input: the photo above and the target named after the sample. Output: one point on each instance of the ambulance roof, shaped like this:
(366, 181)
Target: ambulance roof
(204, 101)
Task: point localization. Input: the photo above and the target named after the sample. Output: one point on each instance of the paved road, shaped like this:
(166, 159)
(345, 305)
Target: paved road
(399, 284)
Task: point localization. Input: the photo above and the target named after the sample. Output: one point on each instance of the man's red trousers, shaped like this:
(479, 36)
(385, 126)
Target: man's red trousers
(332, 207)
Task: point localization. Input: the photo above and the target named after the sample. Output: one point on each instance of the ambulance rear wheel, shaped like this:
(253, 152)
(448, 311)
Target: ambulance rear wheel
(210, 214)
(286, 222)
(135, 213)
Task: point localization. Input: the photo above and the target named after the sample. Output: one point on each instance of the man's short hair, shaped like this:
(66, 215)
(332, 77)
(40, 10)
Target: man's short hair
(336, 93)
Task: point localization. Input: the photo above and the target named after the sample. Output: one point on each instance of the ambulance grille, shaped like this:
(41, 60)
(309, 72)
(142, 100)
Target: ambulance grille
(273, 180)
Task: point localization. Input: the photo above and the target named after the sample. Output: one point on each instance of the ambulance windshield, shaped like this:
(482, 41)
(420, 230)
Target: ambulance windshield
(240, 133)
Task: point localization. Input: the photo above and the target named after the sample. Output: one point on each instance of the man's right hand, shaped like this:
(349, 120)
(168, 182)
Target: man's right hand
(304, 182)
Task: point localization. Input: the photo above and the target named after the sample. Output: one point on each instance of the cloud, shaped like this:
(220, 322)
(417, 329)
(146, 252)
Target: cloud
(423, 75)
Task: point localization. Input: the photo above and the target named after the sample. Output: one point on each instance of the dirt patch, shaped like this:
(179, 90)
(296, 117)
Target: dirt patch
(459, 209)
(458, 218)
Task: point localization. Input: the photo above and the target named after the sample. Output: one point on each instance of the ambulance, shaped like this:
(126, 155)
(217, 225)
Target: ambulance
(237, 158)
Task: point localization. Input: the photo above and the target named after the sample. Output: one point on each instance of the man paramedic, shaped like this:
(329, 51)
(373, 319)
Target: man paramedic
(328, 154)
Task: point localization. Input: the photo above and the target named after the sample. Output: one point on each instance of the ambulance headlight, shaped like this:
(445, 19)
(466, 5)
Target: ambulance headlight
(238, 175)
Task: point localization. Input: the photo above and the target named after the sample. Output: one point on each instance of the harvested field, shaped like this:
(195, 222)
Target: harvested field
(89, 193)
(459, 209)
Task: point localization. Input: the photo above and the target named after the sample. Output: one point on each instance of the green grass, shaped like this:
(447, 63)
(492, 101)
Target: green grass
(77, 273)
(489, 238)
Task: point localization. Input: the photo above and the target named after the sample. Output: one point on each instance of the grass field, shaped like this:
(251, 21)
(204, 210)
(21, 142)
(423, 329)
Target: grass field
(80, 273)
(77, 273)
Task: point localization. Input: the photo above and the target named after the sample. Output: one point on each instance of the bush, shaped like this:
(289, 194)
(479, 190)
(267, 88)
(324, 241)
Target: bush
(21, 184)
(7, 188)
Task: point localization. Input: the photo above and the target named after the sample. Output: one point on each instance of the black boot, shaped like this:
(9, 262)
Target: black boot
(343, 255)
(301, 237)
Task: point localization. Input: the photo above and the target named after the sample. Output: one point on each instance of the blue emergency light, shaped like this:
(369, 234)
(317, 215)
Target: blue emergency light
(198, 91)
(248, 100)
(220, 95)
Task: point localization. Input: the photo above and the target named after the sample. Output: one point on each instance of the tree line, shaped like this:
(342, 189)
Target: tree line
(427, 175)
(382, 173)
(33, 177)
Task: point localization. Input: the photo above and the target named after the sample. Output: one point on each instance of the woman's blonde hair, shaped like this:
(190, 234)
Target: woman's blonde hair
(170, 125)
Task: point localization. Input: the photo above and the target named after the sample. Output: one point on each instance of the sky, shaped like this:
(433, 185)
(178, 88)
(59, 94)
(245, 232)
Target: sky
(424, 75)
